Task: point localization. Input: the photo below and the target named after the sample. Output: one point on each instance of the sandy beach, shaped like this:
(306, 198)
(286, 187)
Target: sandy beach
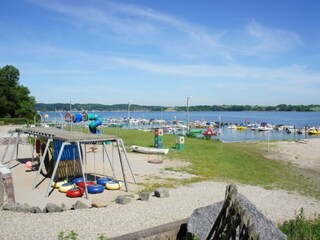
(115, 219)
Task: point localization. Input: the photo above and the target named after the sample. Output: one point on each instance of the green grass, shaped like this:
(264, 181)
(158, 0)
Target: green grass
(301, 228)
(232, 162)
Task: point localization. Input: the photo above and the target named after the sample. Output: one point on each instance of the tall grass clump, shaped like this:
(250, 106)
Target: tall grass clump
(302, 229)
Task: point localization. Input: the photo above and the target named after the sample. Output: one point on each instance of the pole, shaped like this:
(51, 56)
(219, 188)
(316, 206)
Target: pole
(188, 101)
(129, 114)
(129, 111)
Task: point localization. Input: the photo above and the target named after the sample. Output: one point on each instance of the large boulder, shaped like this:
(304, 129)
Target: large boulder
(201, 223)
(202, 220)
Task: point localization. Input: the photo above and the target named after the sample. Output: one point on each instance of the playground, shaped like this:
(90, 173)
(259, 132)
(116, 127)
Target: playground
(61, 167)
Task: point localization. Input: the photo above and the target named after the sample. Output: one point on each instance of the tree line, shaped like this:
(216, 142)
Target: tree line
(125, 107)
(15, 99)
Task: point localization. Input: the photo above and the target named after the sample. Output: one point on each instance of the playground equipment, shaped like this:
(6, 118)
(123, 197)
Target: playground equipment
(73, 142)
(158, 138)
(95, 119)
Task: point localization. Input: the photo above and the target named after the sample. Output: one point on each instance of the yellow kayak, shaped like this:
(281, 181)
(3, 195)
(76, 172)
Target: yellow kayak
(241, 128)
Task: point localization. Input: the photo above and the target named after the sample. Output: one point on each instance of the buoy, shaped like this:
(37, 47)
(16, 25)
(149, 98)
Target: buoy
(32, 165)
(75, 192)
(77, 180)
(65, 187)
(96, 188)
(113, 185)
(58, 183)
(81, 184)
(103, 181)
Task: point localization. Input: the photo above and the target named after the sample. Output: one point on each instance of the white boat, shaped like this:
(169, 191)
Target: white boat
(147, 150)
(264, 127)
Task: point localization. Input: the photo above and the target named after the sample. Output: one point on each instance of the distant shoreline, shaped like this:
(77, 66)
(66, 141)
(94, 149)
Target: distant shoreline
(43, 107)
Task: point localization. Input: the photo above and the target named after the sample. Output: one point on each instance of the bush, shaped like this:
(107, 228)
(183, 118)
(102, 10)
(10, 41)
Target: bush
(16, 121)
(302, 229)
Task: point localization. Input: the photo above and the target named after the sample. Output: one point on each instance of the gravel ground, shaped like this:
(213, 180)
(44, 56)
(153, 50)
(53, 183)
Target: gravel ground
(115, 219)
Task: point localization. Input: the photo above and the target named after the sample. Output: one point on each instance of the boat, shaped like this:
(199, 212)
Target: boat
(147, 150)
(279, 127)
(290, 129)
(301, 131)
(209, 132)
(264, 127)
(313, 131)
(242, 127)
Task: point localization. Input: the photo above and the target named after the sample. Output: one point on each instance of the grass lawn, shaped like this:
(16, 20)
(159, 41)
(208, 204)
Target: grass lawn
(232, 162)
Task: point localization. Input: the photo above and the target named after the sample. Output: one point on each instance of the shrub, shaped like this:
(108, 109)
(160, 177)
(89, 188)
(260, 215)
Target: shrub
(302, 229)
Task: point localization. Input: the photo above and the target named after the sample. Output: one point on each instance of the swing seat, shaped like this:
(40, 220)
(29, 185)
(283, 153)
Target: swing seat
(57, 184)
(65, 187)
(96, 188)
(103, 180)
(113, 185)
(75, 192)
(77, 180)
(89, 183)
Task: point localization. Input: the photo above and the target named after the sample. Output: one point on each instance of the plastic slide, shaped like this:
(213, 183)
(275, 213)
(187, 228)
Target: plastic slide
(96, 121)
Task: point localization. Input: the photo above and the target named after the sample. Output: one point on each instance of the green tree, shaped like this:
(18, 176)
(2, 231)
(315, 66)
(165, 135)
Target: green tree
(15, 99)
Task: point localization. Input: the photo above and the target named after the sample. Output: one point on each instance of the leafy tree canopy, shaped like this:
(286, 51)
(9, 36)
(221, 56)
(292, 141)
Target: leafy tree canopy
(15, 99)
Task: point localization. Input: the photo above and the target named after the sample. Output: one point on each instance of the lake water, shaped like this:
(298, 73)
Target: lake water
(298, 119)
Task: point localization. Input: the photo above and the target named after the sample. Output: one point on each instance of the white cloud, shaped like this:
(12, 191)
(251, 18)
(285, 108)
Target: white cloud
(266, 40)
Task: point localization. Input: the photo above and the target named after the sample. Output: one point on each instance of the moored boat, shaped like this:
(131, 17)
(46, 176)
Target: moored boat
(232, 126)
(241, 127)
(147, 150)
(264, 127)
(313, 131)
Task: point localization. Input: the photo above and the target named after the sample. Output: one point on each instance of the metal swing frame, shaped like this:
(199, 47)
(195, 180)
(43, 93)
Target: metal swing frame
(68, 138)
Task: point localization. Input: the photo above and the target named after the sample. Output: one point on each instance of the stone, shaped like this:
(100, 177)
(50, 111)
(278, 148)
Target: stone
(123, 199)
(51, 207)
(266, 228)
(161, 192)
(9, 206)
(79, 205)
(97, 203)
(16, 207)
(35, 210)
(202, 220)
(144, 196)
(23, 208)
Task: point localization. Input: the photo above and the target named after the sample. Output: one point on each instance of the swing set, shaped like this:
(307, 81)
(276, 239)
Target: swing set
(68, 152)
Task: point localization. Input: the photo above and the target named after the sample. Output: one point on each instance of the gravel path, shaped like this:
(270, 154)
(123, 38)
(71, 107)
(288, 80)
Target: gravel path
(116, 219)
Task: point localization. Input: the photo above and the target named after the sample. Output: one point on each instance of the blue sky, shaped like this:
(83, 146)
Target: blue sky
(159, 52)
